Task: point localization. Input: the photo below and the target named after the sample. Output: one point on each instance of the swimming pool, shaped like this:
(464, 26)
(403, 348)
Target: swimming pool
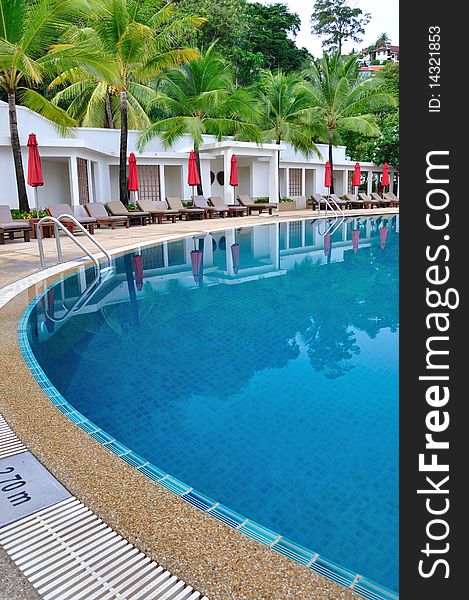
(259, 366)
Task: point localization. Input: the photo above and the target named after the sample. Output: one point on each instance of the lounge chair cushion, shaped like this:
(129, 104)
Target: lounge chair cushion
(14, 226)
(55, 210)
(176, 204)
(97, 211)
(156, 207)
(116, 208)
(245, 200)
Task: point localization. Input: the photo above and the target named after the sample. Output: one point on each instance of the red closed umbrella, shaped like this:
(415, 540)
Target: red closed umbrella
(234, 173)
(137, 261)
(383, 234)
(35, 178)
(196, 260)
(132, 181)
(355, 239)
(193, 177)
(328, 176)
(356, 175)
(385, 175)
(235, 255)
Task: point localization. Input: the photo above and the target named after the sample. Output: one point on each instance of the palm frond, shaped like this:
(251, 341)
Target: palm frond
(37, 103)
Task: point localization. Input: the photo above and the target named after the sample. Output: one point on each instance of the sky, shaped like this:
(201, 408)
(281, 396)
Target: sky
(384, 19)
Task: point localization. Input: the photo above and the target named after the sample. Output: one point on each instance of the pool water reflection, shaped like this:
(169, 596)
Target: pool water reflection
(259, 366)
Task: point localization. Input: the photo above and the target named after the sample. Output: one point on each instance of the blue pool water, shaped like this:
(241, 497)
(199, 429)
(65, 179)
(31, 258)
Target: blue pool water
(266, 379)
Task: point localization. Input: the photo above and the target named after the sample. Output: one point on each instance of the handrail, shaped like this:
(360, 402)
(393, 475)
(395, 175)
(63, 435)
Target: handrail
(58, 224)
(79, 303)
(333, 226)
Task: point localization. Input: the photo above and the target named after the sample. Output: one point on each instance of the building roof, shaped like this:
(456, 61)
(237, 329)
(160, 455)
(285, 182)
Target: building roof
(387, 47)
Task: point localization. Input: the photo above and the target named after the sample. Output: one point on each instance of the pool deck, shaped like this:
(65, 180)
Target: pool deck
(208, 555)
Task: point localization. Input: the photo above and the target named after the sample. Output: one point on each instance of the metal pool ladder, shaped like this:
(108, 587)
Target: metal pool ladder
(59, 225)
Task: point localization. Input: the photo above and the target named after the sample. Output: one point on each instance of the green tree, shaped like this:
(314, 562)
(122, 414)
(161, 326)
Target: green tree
(344, 102)
(251, 35)
(27, 32)
(137, 40)
(200, 98)
(286, 103)
(339, 22)
(269, 30)
(384, 148)
(383, 40)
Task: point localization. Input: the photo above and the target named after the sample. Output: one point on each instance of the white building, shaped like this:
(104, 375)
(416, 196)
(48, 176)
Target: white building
(84, 166)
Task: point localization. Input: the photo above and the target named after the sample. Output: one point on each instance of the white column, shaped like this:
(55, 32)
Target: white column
(369, 182)
(368, 228)
(103, 182)
(344, 231)
(162, 184)
(346, 172)
(91, 194)
(287, 182)
(230, 240)
(73, 175)
(275, 245)
(204, 176)
(228, 197)
(303, 234)
(273, 177)
(303, 182)
(208, 250)
(165, 255)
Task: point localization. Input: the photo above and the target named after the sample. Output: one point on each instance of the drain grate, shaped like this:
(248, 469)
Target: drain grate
(10, 444)
(68, 553)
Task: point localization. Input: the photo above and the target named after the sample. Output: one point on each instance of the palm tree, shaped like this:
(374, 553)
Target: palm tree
(200, 98)
(344, 102)
(27, 31)
(136, 40)
(287, 113)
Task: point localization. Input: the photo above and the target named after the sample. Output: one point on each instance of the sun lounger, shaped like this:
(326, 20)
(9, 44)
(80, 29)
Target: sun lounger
(97, 211)
(233, 209)
(10, 226)
(56, 210)
(341, 203)
(368, 201)
(392, 197)
(158, 210)
(382, 201)
(318, 200)
(175, 203)
(117, 209)
(201, 202)
(354, 201)
(247, 202)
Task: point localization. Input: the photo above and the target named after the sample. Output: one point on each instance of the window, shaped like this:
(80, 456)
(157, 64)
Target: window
(149, 182)
(83, 187)
(295, 186)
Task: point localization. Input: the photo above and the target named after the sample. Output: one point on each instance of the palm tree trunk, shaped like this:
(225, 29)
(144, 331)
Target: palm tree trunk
(108, 113)
(17, 158)
(331, 138)
(200, 189)
(123, 192)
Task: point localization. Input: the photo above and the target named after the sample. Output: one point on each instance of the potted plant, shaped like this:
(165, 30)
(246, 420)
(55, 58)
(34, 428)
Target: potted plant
(286, 204)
